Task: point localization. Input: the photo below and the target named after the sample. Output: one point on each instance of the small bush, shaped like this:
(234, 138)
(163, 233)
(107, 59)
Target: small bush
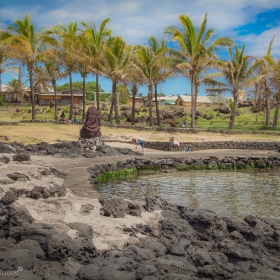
(2, 102)
(65, 109)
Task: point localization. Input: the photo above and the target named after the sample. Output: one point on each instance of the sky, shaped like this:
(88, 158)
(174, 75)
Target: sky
(248, 22)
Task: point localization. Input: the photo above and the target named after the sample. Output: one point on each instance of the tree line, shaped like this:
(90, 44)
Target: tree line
(87, 49)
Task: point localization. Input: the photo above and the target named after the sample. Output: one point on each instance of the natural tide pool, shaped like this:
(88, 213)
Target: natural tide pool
(231, 194)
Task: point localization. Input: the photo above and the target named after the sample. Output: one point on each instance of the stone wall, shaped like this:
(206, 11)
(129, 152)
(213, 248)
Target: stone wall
(195, 146)
(188, 163)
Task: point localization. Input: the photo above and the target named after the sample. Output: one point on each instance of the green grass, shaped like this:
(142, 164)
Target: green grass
(245, 121)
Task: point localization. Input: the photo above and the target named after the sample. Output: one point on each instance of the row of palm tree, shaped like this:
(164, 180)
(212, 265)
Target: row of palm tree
(65, 49)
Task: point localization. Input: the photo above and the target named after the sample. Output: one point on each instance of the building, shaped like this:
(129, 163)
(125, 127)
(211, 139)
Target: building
(165, 100)
(139, 101)
(185, 100)
(63, 97)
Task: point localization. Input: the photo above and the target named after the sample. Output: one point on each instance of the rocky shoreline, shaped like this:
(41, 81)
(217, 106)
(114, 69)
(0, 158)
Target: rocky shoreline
(72, 149)
(46, 232)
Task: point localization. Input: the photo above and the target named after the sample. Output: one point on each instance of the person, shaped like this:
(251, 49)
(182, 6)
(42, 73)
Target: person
(185, 123)
(62, 116)
(74, 120)
(174, 143)
(141, 142)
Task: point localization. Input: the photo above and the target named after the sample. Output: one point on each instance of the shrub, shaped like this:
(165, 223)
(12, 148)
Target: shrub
(2, 102)
(65, 110)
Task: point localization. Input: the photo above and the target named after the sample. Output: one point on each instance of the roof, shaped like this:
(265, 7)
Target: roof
(201, 99)
(59, 93)
(170, 102)
(215, 99)
(170, 97)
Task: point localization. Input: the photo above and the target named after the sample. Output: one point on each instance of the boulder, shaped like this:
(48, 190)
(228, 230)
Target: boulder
(8, 198)
(18, 176)
(40, 192)
(133, 209)
(85, 209)
(112, 206)
(146, 271)
(39, 232)
(15, 259)
(84, 251)
(4, 159)
(21, 157)
(57, 190)
(154, 203)
(18, 216)
(223, 109)
(83, 229)
(33, 246)
(59, 246)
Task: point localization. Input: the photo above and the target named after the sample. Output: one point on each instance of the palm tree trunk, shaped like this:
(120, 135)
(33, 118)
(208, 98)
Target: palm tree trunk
(97, 92)
(150, 96)
(196, 93)
(157, 109)
(134, 92)
(30, 71)
(1, 84)
(55, 99)
(112, 106)
(84, 97)
(192, 101)
(233, 111)
(71, 92)
(275, 119)
(267, 114)
(115, 103)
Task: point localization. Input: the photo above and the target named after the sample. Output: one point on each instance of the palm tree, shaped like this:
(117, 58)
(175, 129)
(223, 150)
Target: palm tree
(25, 44)
(151, 61)
(17, 89)
(194, 51)
(166, 67)
(82, 64)
(65, 41)
(238, 72)
(114, 66)
(263, 88)
(95, 46)
(274, 74)
(41, 80)
(54, 71)
(133, 80)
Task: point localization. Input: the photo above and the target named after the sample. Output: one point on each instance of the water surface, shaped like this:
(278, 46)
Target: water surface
(231, 194)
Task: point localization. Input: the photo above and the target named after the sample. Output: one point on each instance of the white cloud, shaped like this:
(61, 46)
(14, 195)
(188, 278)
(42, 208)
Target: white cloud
(258, 44)
(137, 20)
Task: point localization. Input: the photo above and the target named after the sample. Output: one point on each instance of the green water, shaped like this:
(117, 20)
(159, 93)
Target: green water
(231, 194)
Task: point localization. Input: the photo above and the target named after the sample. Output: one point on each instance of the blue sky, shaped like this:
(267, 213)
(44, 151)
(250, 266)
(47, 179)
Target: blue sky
(249, 22)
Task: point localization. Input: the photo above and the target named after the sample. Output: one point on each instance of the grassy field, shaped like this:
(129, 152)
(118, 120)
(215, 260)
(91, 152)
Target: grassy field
(30, 133)
(52, 133)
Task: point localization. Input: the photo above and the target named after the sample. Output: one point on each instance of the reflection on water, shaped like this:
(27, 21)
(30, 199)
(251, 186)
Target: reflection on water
(232, 194)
